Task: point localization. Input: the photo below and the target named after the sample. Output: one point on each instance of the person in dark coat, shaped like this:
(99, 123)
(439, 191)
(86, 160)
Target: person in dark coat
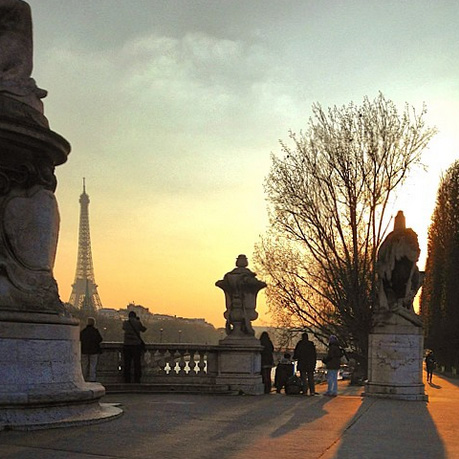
(90, 338)
(284, 371)
(267, 361)
(132, 347)
(430, 365)
(333, 363)
(305, 353)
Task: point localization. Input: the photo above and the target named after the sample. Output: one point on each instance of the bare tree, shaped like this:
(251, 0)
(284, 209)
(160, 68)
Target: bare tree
(328, 196)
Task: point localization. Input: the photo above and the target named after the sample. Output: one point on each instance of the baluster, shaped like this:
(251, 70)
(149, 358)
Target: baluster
(120, 361)
(147, 366)
(192, 364)
(172, 363)
(162, 361)
(202, 363)
(182, 362)
(155, 358)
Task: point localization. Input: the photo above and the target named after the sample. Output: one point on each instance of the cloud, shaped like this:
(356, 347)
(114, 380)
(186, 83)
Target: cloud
(199, 72)
(189, 111)
(189, 83)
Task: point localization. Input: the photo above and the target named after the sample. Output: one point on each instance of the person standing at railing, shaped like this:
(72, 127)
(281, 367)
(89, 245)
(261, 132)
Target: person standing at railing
(133, 347)
(90, 338)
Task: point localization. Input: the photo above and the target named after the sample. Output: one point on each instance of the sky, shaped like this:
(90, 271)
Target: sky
(174, 107)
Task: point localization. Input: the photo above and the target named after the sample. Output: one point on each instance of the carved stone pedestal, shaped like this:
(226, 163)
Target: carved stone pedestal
(239, 365)
(41, 383)
(40, 372)
(395, 357)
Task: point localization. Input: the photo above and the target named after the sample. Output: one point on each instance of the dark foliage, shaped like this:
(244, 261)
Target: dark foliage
(440, 293)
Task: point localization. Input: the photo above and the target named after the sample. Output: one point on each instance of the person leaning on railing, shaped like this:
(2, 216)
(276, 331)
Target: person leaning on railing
(132, 347)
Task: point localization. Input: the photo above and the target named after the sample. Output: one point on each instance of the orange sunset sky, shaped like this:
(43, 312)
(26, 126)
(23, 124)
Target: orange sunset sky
(173, 108)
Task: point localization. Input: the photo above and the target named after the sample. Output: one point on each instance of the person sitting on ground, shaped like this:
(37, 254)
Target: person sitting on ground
(294, 385)
(284, 371)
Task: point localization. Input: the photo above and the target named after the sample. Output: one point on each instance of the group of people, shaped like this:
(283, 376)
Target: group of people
(306, 356)
(133, 347)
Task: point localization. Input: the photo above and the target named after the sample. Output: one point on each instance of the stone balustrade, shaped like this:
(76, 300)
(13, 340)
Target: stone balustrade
(233, 368)
(163, 363)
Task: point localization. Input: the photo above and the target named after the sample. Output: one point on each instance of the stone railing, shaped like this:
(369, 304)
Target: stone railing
(174, 363)
(230, 367)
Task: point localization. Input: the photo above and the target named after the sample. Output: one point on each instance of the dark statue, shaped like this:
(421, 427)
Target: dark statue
(399, 276)
(16, 50)
(29, 152)
(241, 288)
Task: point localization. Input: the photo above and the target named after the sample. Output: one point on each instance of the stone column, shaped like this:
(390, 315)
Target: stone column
(41, 384)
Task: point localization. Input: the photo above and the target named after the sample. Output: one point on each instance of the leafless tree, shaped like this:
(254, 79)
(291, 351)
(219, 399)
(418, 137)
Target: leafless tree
(328, 196)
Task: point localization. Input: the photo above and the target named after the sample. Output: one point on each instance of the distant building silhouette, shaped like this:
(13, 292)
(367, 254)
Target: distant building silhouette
(84, 289)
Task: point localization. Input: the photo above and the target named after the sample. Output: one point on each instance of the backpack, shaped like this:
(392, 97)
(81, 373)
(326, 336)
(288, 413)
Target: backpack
(294, 385)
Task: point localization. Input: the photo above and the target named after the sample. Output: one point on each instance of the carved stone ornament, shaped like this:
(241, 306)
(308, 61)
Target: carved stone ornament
(16, 53)
(241, 288)
(41, 383)
(29, 152)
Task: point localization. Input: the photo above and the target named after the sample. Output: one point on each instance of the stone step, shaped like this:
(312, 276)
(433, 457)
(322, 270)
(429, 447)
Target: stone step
(119, 388)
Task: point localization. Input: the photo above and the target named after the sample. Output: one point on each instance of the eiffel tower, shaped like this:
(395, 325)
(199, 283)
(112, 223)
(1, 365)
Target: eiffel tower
(84, 289)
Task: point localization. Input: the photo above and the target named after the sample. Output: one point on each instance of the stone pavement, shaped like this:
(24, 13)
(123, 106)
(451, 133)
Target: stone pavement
(271, 426)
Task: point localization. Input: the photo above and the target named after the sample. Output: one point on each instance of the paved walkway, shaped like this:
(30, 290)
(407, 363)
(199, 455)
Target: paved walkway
(273, 426)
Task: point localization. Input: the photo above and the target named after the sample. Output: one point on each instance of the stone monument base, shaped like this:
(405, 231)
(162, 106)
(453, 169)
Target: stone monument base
(41, 384)
(396, 347)
(396, 391)
(239, 365)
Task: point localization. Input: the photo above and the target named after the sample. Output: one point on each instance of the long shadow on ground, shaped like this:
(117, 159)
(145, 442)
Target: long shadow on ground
(299, 415)
(169, 426)
(384, 428)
